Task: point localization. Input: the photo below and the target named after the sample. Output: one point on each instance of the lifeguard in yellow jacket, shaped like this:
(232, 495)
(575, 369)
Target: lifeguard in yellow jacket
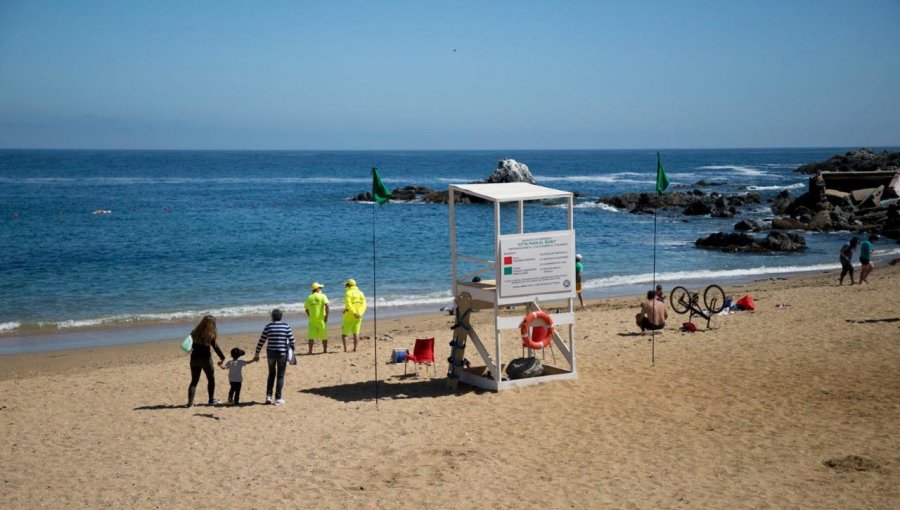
(354, 309)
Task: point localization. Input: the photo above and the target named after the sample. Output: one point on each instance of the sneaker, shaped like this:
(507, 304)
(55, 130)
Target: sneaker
(230, 401)
(268, 399)
(279, 402)
(213, 402)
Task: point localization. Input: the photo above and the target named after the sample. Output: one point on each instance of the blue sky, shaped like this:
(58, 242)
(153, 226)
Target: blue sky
(448, 75)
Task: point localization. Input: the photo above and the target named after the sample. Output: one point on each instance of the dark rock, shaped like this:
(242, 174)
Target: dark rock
(820, 221)
(747, 224)
(862, 160)
(726, 241)
(784, 241)
(698, 208)
(787, 224)
(781, 202)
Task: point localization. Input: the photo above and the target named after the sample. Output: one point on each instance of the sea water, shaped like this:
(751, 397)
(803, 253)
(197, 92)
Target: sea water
(144, 238)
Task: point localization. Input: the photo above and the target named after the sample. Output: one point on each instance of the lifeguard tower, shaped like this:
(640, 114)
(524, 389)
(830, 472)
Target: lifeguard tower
(529, 268)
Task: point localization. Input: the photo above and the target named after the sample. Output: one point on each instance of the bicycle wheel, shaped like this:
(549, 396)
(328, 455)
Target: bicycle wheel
(714, 298)
(680, 300)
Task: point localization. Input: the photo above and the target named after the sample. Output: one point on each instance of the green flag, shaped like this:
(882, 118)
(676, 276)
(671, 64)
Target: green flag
(379, 193)
(662, 181)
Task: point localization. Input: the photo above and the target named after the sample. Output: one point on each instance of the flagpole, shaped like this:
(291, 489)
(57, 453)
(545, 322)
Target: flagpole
(375, 295)
(653, 332)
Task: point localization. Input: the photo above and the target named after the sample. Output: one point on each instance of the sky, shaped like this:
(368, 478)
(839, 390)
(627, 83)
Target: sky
(490, 74)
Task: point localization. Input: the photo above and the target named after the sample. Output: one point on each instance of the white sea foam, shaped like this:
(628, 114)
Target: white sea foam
(595, 205)
(9, 326)
(290, 309)
(771, 188)
(711, 275)
(620, 177)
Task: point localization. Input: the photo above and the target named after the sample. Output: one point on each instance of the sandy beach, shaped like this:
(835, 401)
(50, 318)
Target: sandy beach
(793, 406)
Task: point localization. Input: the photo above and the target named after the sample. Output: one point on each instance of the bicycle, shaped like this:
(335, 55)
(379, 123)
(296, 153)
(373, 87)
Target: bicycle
(682, 301)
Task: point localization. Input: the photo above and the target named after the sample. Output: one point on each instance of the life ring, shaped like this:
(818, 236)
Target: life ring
(525, 329)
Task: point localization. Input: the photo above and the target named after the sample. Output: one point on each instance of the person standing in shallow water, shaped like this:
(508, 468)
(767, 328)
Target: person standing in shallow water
(204, 342)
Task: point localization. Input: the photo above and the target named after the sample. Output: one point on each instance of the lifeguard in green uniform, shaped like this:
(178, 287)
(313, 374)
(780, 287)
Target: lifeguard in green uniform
(354, 309)
(316, 307)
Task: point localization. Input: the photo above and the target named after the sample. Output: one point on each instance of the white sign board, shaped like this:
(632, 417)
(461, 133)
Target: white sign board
(538, 263)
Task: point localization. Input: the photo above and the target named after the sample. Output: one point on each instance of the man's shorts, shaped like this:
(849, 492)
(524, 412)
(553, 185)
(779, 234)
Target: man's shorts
(317, 331)
(577, 286)
(864, 261)
(351, 325)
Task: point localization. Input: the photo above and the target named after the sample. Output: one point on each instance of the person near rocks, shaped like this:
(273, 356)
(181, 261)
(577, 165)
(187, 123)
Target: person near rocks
(653, 314)
(317, 309)
(846, 258)
(865, 258)
(279, 337)
(204, 342)
(579, 277)
(354, 309)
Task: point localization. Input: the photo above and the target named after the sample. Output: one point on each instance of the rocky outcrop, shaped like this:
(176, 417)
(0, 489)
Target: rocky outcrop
(775, 241)
(862, 160)
(691, 203)
(749, 225)
(510, 170)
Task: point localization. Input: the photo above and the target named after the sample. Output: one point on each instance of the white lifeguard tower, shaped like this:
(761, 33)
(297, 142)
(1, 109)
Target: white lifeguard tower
(529, 268)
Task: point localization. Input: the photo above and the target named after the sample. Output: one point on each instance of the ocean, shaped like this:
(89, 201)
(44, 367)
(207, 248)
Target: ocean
(136, 241)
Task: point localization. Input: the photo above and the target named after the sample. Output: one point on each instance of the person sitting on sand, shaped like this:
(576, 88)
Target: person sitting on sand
(653, 314)
(317, 309)
(846, 258)
(659, 294)
(280, 337)
(354, 309)
(204, 338)
(865, 258)
(235, 368)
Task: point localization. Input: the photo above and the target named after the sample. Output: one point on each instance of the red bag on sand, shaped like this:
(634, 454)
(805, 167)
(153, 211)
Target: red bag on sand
(746, 303)
(689, 326)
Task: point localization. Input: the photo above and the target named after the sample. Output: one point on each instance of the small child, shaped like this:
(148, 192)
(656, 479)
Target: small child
(235, 376)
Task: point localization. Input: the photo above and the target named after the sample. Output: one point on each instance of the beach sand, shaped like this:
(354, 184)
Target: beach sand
(746, 415)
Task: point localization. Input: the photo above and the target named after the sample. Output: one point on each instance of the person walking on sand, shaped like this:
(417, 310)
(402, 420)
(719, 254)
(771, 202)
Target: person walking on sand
(317, 309)
(653, 314)
(846, 258)
(865, 258)
(235, 368)
(204, 342)
(579, 276)
(280, 338)
(354, 309)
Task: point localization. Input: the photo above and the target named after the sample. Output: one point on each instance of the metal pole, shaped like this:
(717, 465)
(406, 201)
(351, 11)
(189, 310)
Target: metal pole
(375, 301)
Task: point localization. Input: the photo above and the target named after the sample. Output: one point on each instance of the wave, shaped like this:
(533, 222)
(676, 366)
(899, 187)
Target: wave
(595, 205)
(771, 188)
(739, 169)
(704, 274)
(9, 326)
(242, 311)
(620, 177)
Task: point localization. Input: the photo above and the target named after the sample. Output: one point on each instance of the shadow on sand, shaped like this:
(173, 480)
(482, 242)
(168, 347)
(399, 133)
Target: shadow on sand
(396, 387)
(162, 407)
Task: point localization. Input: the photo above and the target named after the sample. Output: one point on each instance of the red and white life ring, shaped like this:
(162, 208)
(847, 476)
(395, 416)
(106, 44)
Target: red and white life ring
(525, 329)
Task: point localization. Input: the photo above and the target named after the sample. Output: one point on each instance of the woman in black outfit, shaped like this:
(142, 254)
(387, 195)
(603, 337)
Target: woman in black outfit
(204, 336)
